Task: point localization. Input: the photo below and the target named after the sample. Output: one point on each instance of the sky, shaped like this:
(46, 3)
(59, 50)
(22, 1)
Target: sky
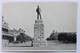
(58, 16)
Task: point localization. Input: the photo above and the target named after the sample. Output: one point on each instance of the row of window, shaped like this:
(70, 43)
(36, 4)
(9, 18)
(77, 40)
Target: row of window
(4, 29)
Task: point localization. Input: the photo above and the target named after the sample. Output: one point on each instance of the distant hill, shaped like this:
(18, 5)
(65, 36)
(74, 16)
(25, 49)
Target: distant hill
(53, 36)
(63, 36)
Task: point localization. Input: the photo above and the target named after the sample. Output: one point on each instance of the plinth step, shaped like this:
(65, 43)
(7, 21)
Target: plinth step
(39, 45)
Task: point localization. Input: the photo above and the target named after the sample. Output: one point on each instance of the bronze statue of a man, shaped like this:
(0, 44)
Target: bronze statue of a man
(38, 10)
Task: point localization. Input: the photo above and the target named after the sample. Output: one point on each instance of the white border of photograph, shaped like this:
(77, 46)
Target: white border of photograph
(78, 25)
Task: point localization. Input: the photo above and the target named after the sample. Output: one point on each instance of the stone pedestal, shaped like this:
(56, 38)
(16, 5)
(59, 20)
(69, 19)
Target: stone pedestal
(39, 34)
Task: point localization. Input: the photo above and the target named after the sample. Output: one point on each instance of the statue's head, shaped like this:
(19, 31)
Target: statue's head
(38, 6)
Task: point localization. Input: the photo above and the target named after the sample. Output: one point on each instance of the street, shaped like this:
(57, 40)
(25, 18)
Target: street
(53, 45)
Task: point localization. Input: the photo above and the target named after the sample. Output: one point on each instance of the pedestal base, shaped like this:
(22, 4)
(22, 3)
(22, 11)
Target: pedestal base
(39, 34)
(39, 44)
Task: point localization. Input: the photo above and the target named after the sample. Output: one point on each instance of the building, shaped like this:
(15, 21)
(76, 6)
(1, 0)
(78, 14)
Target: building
(5, 32)
(9, 35)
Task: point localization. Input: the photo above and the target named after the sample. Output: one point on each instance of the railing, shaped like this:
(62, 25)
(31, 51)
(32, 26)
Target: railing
(7, 33)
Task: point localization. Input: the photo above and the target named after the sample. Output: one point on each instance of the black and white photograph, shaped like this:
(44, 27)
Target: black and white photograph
(39, 26)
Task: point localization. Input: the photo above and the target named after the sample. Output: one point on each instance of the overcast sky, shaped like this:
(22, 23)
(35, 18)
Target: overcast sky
(59, 16)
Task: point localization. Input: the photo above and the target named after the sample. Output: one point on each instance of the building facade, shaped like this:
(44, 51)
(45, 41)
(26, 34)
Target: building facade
(9, 35)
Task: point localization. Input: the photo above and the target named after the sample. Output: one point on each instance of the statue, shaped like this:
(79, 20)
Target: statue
(38, 10)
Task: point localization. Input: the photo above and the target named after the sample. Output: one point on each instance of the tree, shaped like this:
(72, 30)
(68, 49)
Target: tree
(23, 38)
